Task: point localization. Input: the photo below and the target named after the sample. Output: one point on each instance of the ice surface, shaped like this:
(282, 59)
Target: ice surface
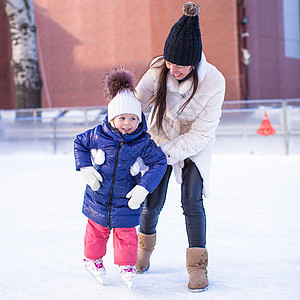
(252, 236)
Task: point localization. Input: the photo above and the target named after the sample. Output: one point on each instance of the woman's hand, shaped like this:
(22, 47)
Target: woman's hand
(172, 158)
(138, 167)
(178, 172)
(98, 156)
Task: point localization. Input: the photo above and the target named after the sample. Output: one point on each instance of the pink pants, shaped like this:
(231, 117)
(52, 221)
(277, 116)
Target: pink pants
(125, 243)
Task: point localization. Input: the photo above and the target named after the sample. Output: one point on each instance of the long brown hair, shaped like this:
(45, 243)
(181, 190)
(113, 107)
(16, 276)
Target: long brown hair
(160, 99)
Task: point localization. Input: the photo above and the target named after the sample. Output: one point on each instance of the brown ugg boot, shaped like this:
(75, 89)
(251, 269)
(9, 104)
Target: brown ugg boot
(196, 264)
(145, 248)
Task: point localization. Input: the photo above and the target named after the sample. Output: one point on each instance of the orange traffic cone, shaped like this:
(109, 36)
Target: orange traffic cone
(266, 127)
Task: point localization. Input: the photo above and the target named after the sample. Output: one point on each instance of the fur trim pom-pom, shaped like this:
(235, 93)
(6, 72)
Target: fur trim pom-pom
(116, 81)
(191, 9)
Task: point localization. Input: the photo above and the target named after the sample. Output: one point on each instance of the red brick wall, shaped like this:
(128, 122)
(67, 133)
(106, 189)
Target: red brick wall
(78, 43)
(218, 21)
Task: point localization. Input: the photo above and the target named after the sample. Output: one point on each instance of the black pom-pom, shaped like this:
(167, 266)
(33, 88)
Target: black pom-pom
(116, 81)
(191, 9)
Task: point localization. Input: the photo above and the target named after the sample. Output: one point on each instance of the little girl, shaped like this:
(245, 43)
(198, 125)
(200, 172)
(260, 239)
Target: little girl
(113, 195)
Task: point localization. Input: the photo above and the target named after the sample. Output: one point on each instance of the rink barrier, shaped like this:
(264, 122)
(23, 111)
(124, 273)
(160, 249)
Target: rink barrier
(54, 129)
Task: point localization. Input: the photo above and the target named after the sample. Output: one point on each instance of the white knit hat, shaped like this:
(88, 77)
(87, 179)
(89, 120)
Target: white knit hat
(124, 103)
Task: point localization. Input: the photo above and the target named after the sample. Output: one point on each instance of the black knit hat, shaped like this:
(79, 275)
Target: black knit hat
(183, 45)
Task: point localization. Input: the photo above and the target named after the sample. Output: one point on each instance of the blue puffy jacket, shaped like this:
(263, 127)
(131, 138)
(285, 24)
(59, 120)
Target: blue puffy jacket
(109, 206)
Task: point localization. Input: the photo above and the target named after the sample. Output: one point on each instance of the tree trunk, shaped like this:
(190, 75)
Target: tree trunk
(24, 62)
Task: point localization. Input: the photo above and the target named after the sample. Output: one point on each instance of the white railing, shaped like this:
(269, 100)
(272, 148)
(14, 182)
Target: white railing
(54, 129)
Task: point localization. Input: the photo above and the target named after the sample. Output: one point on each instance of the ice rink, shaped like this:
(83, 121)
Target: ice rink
(252, 236)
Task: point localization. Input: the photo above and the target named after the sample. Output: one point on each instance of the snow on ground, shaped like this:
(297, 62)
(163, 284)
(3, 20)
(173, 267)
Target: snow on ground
(252, 235)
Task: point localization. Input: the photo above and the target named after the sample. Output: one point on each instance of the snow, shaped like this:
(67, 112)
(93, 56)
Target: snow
(252, 235)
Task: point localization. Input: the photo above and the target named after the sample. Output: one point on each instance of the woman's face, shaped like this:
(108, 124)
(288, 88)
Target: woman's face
(179, 72)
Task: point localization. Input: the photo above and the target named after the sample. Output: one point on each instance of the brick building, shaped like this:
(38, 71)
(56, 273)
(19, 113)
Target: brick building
(79, 41)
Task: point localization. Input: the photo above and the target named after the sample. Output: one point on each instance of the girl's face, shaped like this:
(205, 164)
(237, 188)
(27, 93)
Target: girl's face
(126, 123)
(179, 72)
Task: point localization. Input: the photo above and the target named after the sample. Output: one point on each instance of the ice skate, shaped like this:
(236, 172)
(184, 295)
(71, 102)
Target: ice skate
(96, 268)
(127, 274)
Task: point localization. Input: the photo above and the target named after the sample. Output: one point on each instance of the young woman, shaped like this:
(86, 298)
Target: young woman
(187, 94)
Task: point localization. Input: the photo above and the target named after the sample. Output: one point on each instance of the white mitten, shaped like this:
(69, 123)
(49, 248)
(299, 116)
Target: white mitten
(98, 156)
(177, 171)
(137, 195)
(91, 177)
(138, 167)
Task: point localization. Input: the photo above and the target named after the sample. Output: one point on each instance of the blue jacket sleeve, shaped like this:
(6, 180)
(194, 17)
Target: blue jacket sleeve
(83, 143)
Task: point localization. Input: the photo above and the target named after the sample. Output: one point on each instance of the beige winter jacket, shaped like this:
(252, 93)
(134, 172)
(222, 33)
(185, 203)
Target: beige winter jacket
(192, 133)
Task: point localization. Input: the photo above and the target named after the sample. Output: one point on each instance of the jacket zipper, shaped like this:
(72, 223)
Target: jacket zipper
(113, 183)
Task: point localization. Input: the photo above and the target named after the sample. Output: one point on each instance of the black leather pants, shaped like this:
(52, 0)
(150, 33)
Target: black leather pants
(191, 200)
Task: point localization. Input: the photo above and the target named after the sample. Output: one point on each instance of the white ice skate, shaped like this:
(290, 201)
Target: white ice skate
(96, 268)
(127, 274)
